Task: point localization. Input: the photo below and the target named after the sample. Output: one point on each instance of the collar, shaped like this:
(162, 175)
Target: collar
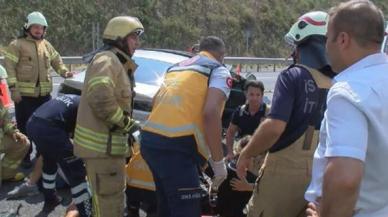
(207, 54)
(368, 61)
(246, 108)
(128, 63)
(29, 38)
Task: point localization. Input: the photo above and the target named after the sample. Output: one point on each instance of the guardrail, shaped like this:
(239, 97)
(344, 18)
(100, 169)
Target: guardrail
(247, 64)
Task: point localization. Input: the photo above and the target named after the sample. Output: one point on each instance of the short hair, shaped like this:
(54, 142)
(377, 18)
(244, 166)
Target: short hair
(242, 143)
(362, 19)
(255, 84)
(212, 43)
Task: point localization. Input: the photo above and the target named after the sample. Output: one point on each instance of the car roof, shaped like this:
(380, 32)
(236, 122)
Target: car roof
(169, 56)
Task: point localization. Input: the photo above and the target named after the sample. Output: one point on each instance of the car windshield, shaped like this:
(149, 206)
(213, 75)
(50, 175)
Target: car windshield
(150, 71)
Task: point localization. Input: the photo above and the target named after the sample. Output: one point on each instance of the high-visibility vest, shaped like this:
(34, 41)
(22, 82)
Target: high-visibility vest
(138, 173)
(178, 106)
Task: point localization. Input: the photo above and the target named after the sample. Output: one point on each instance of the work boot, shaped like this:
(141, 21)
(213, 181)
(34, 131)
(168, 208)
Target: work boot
(19, 176)
(51, 203)
(25, 189)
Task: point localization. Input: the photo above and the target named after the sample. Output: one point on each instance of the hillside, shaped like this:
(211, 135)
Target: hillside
(249, 27)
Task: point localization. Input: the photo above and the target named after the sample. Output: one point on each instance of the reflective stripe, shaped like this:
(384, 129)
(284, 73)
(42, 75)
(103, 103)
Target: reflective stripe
(48, 185)
(98, 142)
(140, 183)
(95, 202)
(10, 164)
(197, 68)
(105, 80)
(49, 177)
(45, 87)
(172, 131)
(117, 116)
(11, 80)
(53, 55)
(10, 56)
(8, 127)
(81, 187)
(26, 87)
(80, 199)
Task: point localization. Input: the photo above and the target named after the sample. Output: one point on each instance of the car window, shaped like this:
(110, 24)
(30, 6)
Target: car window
(150, 71)
(386, 45)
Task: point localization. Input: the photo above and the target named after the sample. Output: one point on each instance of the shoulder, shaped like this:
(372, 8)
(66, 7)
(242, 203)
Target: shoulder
(221, 71)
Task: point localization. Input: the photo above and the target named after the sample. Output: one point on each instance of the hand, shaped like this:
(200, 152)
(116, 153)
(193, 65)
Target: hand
(229, 156)
(312, 210)
(68, 74)
(242, 166)
(220, 173)
(17, 136)
(15, 96)
(131, 126)
(241, 185)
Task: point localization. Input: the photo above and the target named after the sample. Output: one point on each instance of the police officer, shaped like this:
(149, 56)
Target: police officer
(291, 129)
(50, 127)
(104, 115)
(28, 60)
(13, 146)
(185, 121)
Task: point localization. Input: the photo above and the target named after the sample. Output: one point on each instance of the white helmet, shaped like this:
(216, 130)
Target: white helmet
(35, 18)
(309, 24)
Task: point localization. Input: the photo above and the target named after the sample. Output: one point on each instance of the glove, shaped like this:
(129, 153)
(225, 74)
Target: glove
(220, 173)
(15, 96)
(131, 126)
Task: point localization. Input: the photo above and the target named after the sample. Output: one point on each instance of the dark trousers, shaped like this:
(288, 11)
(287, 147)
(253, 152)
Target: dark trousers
(54, 145)
(176, 180)
(24, 110)
(140, 198)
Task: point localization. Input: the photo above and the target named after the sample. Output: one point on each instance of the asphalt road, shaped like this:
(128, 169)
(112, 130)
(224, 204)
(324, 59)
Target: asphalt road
(31, 206)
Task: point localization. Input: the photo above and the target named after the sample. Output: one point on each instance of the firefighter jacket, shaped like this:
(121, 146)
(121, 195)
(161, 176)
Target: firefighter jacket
(27, 62)
(178, 106)
(105, 105)
(6, 124)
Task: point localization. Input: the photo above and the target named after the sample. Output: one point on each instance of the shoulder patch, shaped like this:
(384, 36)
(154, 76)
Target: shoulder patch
(229, 82)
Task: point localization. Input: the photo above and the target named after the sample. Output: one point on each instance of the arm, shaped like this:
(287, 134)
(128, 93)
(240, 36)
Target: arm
(56, 62)
(99, 90)
(230, 133)
(11, 59)
(341, 184)
(212, 122)
(346, 146)
(10, 129)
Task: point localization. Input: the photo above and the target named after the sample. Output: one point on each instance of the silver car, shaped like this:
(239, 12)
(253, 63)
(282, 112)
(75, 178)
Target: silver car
(153, 63)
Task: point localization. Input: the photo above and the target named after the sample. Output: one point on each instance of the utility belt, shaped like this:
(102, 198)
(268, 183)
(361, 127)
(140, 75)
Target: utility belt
(50, 122)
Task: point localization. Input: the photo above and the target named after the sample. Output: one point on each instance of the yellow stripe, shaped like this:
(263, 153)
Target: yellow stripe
(95, 202)
(105, 80)
(117, 116)
(11, 80)
(102, 136)
(11, 56)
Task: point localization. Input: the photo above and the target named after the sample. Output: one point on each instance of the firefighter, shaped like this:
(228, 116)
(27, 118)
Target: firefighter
(50, 127)
(184, 124)
(290, 132)
(104, 115)
(13, 147)
(27, 61)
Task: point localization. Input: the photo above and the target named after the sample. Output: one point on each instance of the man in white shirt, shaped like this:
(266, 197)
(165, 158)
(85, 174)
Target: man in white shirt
(350, 177)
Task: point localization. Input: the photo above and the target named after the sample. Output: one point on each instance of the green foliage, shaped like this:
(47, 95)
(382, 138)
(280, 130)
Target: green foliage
(173, 24)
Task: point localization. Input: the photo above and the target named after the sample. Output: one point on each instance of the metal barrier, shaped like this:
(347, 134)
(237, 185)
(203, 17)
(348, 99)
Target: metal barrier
(256, 64)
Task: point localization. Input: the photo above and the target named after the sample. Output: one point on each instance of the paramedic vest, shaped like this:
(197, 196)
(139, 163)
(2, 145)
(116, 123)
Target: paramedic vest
(178, 106)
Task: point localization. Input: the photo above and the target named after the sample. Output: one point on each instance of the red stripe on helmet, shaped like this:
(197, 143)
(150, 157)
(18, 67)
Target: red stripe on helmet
(313, 22)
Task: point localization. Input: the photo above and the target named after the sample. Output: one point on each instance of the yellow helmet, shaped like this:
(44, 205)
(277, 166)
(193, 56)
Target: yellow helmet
(119, 27)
